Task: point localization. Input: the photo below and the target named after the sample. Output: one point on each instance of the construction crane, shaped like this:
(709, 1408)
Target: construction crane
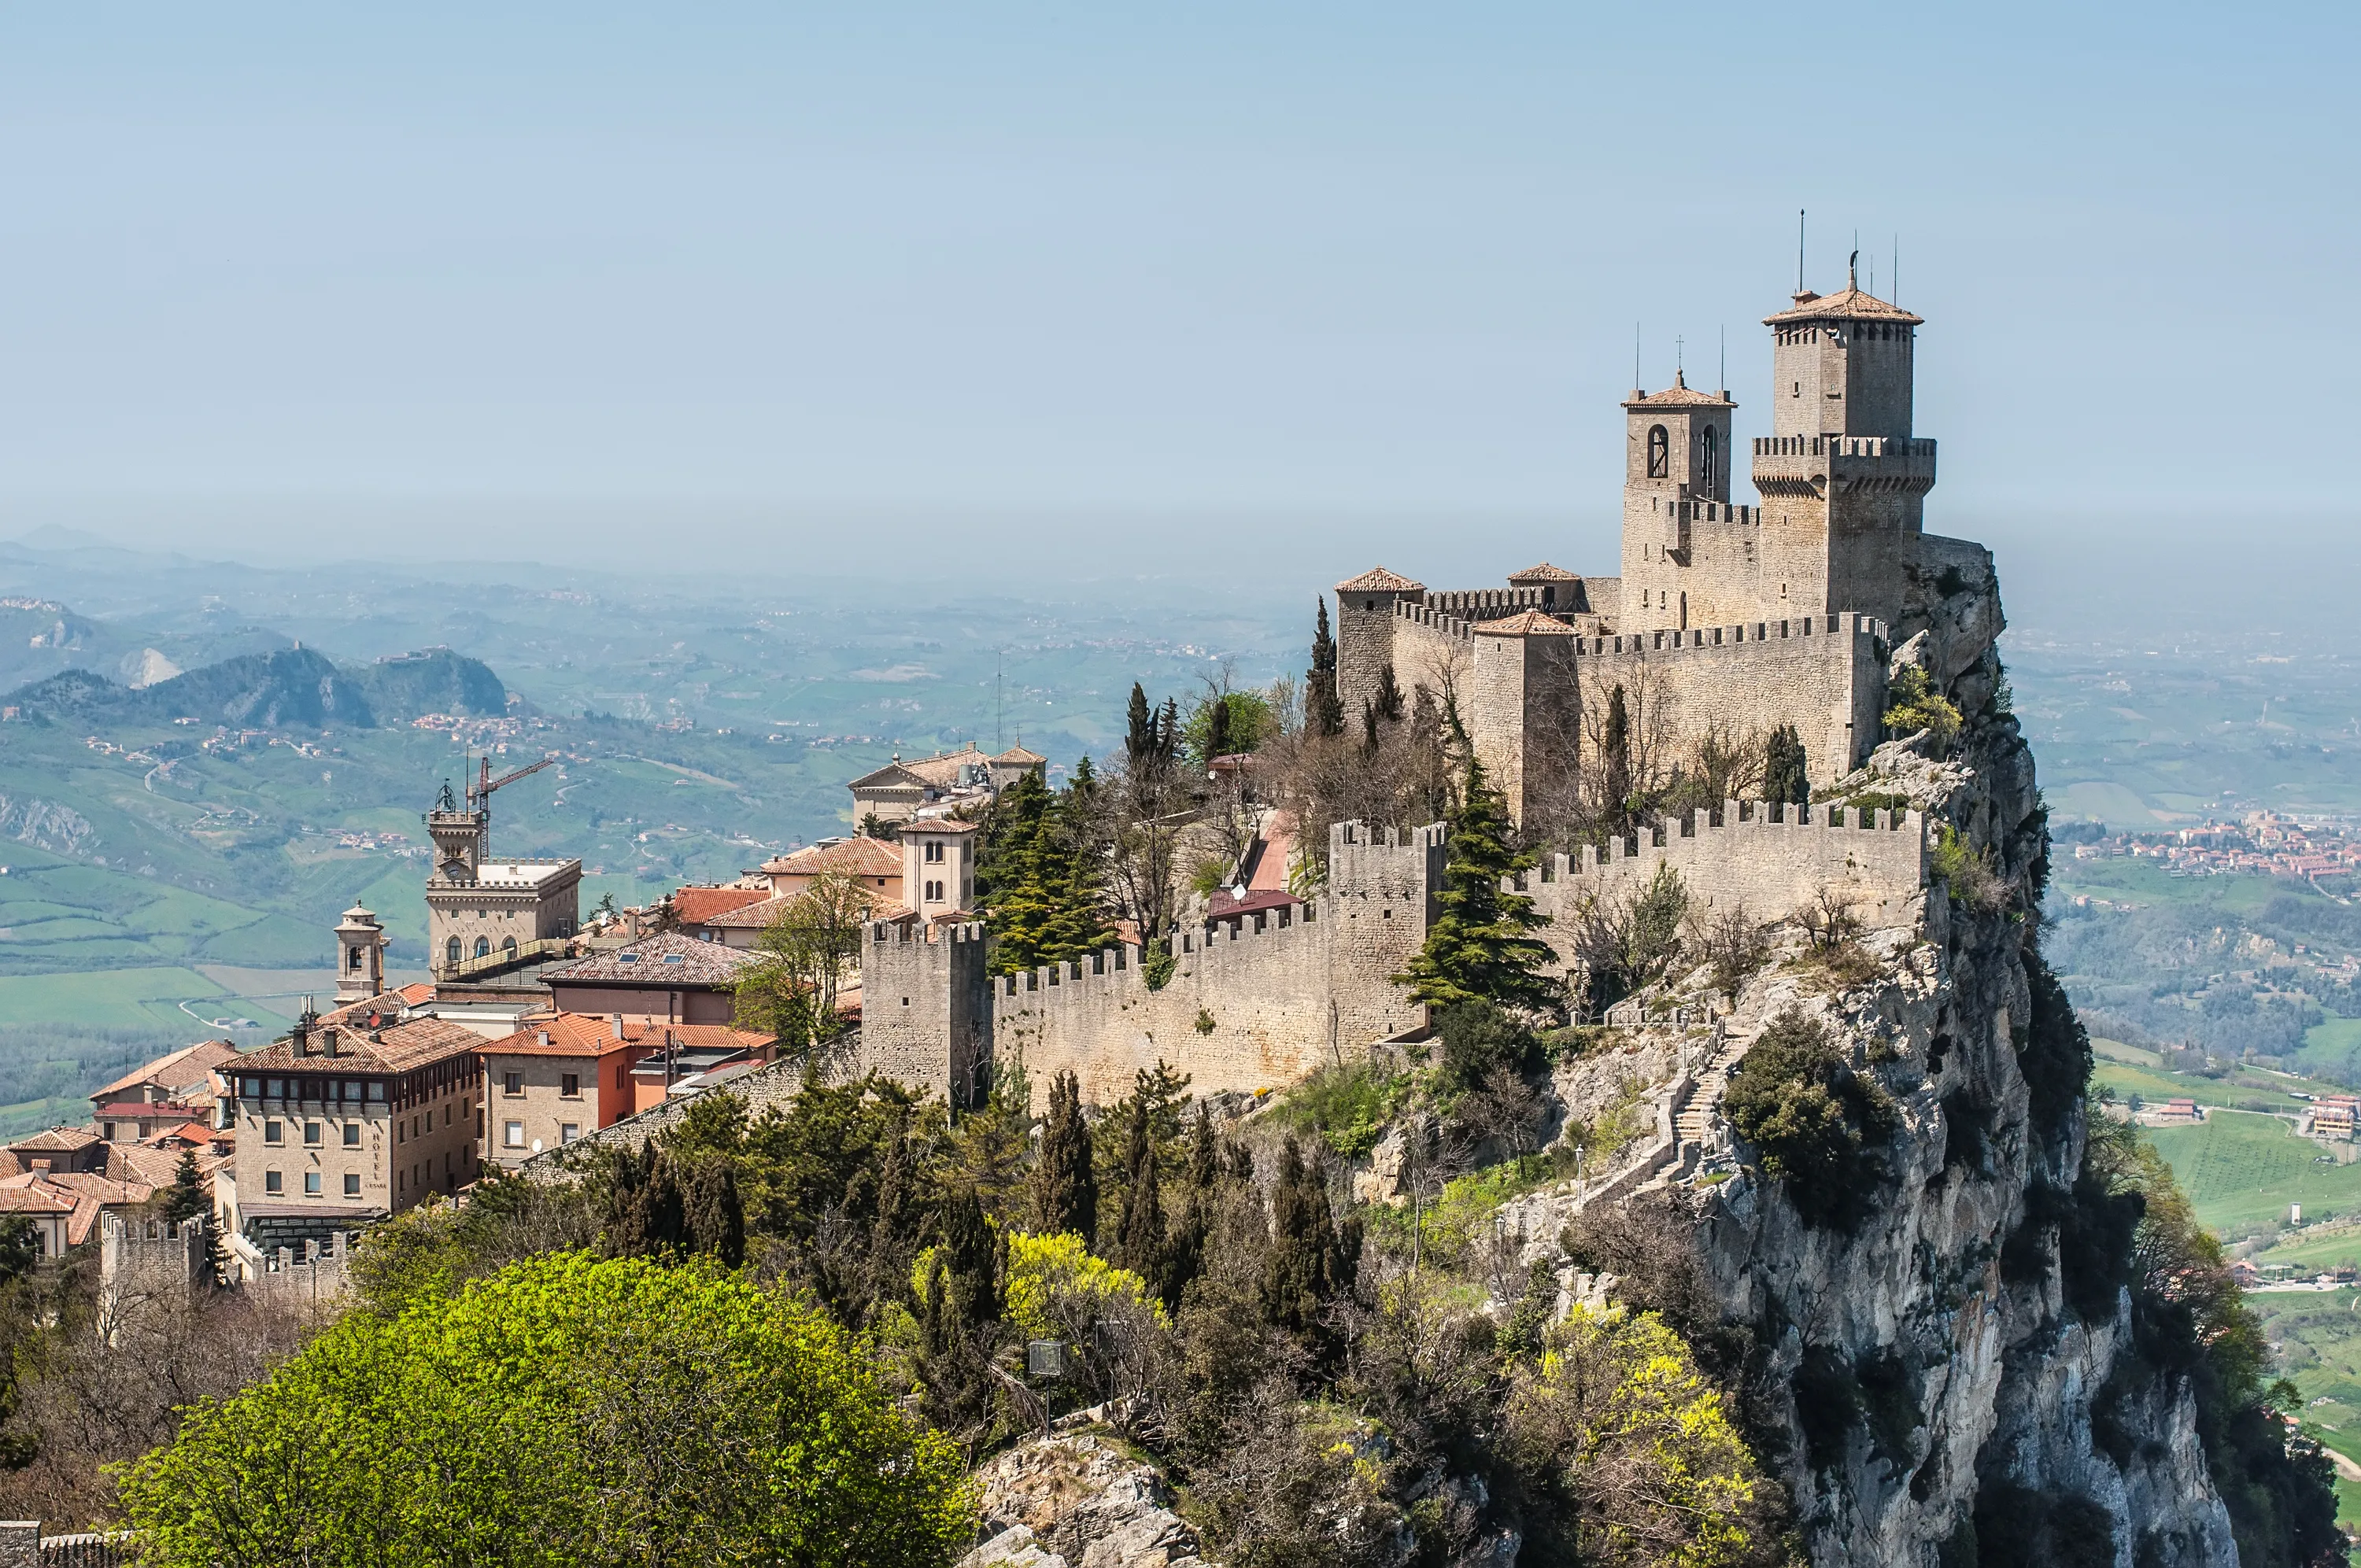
(480, 792)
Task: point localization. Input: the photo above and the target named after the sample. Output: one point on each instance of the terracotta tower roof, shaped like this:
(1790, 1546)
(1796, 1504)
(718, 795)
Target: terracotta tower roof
(1377, 580)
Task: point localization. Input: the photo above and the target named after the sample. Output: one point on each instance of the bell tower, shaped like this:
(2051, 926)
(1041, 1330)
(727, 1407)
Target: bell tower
(1676, 462)
(462, 837)
(360, 956)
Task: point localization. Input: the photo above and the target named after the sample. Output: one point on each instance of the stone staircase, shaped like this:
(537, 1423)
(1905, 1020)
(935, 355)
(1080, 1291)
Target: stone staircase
(1694, 1123)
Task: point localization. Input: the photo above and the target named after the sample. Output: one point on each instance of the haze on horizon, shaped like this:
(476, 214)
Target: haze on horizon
(1045, 291)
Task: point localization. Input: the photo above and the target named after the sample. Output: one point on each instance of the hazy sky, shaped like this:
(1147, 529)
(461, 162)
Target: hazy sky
(1246, 288)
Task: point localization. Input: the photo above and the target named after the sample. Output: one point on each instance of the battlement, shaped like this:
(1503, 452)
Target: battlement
(1482, 604)
(1120, 966)
(900, 933)
(1435, 620)
(1667, 639)
(1802, 465)
(1717, 511)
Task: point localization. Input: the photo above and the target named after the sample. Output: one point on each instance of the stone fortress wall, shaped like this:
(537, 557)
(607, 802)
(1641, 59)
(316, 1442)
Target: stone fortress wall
(1772, 868)
(1250, 1004)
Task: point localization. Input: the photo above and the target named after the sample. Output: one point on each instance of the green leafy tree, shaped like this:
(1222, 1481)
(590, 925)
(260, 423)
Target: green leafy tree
(802, 961)
(1065, 1186)
(1815, 1123)
(1786, 779)
(565, 1411)
(1481, 945)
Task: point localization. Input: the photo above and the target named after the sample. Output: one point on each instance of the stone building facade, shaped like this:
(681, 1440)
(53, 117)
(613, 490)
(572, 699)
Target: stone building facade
(481, 911)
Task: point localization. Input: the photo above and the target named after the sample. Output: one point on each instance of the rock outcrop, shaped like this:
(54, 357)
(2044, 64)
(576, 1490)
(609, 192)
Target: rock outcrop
(1076, 1501)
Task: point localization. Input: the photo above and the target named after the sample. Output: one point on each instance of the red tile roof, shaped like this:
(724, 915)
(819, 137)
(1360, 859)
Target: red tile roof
(938, 824)
(29, 1195)
(188, 1065)
(1849, 304)
(398, 1048)
(57, 1140)
(696, 905)
(858, 857)
(1018, 756)
(1544, 573)
(1679, 395)
(1524, 623)
(668, 960)
(1377, 580)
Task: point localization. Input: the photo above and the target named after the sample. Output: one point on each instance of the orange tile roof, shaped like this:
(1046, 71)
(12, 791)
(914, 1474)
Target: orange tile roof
(858, 857)
(1849, 304)
(1377, 580)
(1544, 573)
(57, 1140)
(696, 905)
(592, 1034)
(669, 959)
(939, 825)
(1016, 756)
(27, 1195)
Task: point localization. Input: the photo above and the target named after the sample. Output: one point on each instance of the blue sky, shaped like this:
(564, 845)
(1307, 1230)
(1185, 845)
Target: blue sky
(1213, 286)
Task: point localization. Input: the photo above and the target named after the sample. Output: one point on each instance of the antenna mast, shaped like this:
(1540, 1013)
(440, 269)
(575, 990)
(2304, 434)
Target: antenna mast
(1799, 250)
(1636, 356)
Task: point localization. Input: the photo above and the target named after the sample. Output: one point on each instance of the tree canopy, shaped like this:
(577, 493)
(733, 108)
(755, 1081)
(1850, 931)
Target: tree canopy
(566, 1411)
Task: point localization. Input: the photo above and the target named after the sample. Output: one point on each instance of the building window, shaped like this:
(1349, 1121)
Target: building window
(274, 1131)
(1708, 454)
(352, 1185)
(934, 851)
(311, 1184)
(451, 950)
(352, 1135)
(508, 947)
(512, 1134)
(273, 1182)
(1660, 453)
(569, 1085)
(512, 1083)
(312, 1132)
(569, 1131)
(483, 947)
(354, 954)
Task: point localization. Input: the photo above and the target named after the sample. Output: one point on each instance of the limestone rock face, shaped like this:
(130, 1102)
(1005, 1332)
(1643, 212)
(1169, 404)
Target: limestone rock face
(1078, 1502)
(1980, 1373)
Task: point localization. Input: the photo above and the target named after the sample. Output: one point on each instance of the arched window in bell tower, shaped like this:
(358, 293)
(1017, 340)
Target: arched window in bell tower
(1660, 453)
(1707, 457)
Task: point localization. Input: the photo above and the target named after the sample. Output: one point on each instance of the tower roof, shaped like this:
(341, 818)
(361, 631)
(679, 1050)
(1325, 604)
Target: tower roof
(1377, 580)
(1544, 573)
(1679, 395)
(1524, 623)
(1852, 304)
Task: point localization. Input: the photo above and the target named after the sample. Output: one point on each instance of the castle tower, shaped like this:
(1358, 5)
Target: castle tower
(360, 956)
(462, 836)
(1677, 462)
(1842, 478)
(1365, 634)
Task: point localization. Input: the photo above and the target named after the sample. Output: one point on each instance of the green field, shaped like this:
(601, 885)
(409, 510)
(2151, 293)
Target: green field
(143, 999)
(2242, 1170)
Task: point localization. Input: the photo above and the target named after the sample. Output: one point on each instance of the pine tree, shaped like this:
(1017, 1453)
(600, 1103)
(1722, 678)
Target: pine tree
(1323, 708)
(185, 1199)
(1074, 873)
(1168, 732)
(1481, 944)
(1785, 778)
(1139, 1244)
(1015, 869)
(1615, 764)
(1065, 1186)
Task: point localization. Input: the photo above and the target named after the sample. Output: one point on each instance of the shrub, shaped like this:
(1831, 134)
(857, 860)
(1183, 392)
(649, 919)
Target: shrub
(1912, 704)
(1815, 1123)
(1348, 1106)
(1477, 1038)
(1733, 942)
(1968, 872)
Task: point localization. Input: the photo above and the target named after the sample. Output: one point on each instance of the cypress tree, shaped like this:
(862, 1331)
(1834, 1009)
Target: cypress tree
(1784, 779)
(1141, 1241)
(1370, 728)
(1168, 737)
(715, 1219)
(1217, 729)
(1481, 944)
(1389, 695)
(1065, 1187)
(1139, 729)
(1300, 1269)
(1323, 708)
(1615, 763)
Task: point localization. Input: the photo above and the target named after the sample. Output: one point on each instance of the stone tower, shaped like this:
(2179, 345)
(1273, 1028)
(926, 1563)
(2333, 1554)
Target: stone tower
(360, 956)
(1842, 478)
(1675, 456)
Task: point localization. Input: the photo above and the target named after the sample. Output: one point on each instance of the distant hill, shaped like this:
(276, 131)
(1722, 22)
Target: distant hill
(276, 690)
(41, 637)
